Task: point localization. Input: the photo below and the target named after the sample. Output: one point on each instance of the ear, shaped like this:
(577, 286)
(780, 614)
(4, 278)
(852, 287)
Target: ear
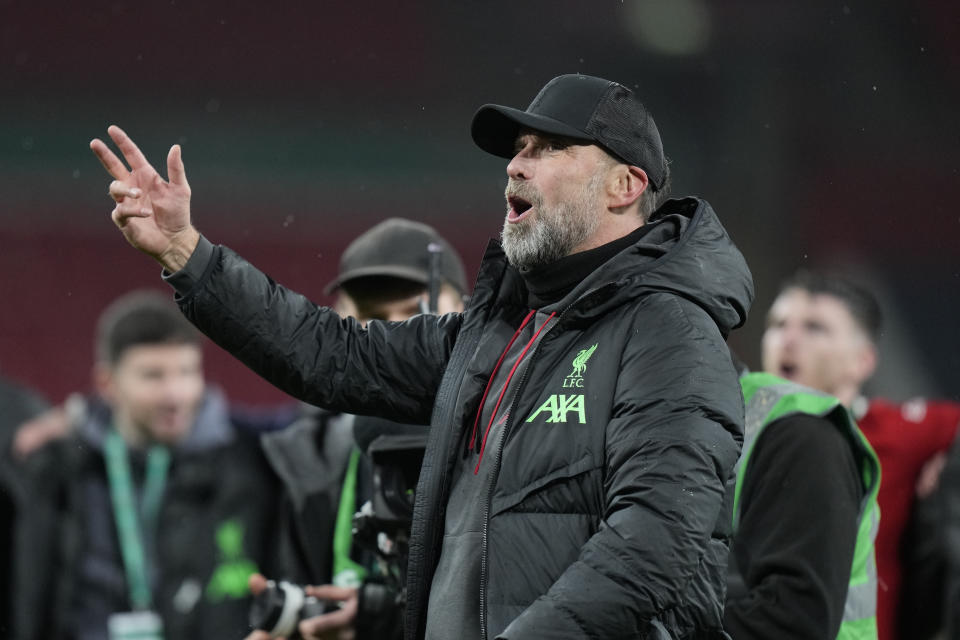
(866, 361)
(627, 183)
(345, 306)
(102, 375)
(450, 299)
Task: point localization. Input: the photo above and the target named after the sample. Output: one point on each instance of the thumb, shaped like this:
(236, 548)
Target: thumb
(257, 583)
(175, 170)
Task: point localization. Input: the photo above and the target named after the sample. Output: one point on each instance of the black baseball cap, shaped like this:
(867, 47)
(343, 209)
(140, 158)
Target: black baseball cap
(586, 108)
(398, 248)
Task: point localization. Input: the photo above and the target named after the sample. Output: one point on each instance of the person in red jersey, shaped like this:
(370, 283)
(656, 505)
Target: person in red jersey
(822, 332)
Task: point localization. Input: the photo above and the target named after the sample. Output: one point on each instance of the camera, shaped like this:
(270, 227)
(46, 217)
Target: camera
(383, 526)
(280, 607)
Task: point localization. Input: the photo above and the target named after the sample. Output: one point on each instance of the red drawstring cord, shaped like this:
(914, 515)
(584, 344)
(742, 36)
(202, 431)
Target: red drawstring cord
(473, 433)
(493, 415)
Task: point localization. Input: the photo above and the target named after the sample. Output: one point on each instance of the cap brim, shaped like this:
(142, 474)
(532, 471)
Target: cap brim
(495, 128)
(405, 273)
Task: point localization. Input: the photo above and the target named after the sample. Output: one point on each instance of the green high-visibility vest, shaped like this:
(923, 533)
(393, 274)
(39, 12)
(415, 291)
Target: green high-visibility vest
(769, 398)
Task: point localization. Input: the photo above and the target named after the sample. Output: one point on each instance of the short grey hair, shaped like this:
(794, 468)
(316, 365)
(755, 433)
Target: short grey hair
(652, 198)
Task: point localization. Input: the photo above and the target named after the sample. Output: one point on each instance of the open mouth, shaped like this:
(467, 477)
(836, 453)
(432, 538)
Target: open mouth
(517, 208)
(788, 371)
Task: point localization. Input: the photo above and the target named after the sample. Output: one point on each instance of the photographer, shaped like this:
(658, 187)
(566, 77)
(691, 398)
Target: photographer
(323, 460)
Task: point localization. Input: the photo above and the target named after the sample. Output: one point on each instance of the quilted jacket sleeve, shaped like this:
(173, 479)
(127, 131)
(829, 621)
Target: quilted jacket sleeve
(387, 369)
(671, 445)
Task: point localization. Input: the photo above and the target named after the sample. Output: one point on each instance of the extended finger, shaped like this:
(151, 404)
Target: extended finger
(330, 592)
(120, 190)
(110, 162)
(124, 211)
(130, 151)
(176, 173)
(257, 583)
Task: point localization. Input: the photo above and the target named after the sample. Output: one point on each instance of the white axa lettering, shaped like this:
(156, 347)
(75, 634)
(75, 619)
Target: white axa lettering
(559, 405)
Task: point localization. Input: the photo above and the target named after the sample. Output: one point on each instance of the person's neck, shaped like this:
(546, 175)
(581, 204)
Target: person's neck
(614, 227)
(550, 283)
(133, 437)
(847, 395)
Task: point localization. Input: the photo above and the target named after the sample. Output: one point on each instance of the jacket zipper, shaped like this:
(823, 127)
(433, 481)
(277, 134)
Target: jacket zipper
(493, 481)
(474, 443)
(506, 385)
(430, 536)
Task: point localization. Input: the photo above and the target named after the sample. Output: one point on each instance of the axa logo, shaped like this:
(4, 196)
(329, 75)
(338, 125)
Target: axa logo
(559, 406)
(575, 379)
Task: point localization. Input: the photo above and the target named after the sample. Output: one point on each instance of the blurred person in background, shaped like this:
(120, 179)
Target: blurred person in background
(385, 274)
(17, 404)
(930, 601)
(802, 561)
(822, 331)
(585, 414)
(148, 517)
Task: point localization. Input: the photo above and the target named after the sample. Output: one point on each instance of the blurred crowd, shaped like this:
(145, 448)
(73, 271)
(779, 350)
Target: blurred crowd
(151, 492)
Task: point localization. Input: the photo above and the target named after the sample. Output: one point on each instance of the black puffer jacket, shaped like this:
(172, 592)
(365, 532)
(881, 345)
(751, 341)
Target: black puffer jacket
(607, 528)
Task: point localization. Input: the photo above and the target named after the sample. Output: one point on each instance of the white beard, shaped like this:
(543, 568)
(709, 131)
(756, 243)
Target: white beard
(553, 232)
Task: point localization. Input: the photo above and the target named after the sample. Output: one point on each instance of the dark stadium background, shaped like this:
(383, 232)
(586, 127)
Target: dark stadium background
(823, 133)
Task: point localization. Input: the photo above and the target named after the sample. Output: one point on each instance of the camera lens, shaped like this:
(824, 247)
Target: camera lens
(277, 609)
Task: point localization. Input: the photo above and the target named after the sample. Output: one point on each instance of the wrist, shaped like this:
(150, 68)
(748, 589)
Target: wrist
(182, 245)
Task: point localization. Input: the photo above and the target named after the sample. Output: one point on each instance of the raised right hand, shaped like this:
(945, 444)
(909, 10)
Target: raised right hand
(152, 214)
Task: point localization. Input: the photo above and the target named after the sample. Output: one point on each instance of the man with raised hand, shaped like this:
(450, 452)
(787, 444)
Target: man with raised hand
(560, 496)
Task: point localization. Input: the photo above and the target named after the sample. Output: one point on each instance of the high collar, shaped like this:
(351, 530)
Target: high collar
(548, 284)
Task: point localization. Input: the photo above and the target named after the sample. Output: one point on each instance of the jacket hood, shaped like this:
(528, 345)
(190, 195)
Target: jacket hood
(686, 252)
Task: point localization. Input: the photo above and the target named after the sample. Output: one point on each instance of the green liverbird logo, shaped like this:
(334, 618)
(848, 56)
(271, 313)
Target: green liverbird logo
(229, 579)
(580, 362)
(558, 406)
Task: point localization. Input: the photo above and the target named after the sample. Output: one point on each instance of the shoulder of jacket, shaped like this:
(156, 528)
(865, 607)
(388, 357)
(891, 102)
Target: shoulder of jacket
(662, 312)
